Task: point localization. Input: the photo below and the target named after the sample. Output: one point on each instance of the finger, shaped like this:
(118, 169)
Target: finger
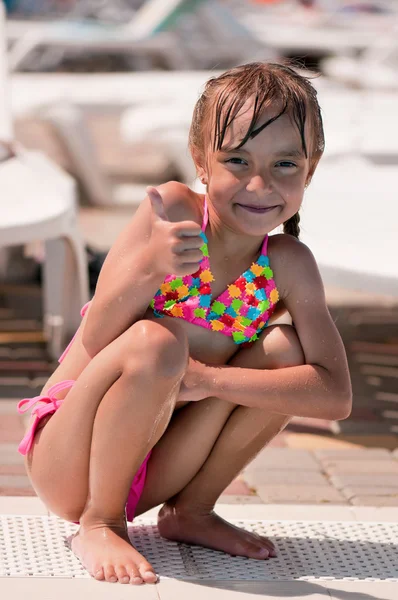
(157, 203)
(187, 268)
(190, 229)
(190, 256)
(188, 243)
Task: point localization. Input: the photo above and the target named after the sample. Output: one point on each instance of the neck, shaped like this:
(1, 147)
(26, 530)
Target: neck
(232, 246)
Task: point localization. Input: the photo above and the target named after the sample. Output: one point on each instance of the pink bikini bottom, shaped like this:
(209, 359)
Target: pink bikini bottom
(52, 405)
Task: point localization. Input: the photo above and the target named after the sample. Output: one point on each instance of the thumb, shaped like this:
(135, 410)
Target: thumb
(157, 203)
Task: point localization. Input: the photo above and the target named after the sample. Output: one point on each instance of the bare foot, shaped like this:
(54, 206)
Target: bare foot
(107, 554)
(211, 531)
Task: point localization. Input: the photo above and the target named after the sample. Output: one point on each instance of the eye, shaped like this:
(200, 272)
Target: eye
(241, 161)
(286, 164)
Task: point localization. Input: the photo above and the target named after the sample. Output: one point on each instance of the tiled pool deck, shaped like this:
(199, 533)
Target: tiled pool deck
(318, 585)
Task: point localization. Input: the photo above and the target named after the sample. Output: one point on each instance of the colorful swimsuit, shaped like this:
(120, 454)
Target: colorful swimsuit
(242, 311)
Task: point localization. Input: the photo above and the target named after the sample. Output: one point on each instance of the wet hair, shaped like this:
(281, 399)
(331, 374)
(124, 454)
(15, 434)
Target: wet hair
(265, 84)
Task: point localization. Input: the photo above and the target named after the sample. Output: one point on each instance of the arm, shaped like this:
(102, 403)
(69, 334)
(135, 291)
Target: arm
(130, 275)
(321, 388)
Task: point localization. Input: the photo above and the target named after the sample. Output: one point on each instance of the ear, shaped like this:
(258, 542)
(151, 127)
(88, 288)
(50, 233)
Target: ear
(202, 175)
(200, 168)
(311, 171)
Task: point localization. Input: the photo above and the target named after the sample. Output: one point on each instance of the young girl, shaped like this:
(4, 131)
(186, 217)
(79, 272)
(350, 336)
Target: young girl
(176, 378)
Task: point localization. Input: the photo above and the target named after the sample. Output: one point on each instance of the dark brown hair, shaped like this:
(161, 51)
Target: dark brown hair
(266, 84)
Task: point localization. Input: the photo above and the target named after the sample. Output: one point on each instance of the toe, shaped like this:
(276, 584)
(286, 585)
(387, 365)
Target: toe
(98, 574)
(147, 573)
(122, 575)
(134, 573)
(270, 547)
(110, 574)
(259, 552)
(150, 577)
(268, 542)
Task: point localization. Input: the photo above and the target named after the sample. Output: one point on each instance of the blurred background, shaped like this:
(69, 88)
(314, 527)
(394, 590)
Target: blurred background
(96, 98)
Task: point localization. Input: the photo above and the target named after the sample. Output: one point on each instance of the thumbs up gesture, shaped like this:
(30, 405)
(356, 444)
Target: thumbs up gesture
(175, 245)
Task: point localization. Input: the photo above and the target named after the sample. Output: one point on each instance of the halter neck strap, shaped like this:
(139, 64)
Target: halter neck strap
(205, 215)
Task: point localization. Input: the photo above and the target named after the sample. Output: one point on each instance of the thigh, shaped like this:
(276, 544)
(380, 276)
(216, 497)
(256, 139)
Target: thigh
(59, 460)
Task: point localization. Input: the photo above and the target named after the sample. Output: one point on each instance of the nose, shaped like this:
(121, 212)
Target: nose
(258, 183)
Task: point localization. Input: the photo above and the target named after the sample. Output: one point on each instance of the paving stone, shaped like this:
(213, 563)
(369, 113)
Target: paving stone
(375, 501)
(328, 454)
(8, 407)
(284, 459)
(14, 481)
(237, 487)
(305, 424)
(379, 514)
(307, 441)
(265, 476)
(361, 466)
(371, 440)
(11, 428)
(361, 427)
(9, 455)
(16, 491)
(239, 499)
(12, 469)
(304, 494)
(345, 480)
(22, 505)
(370, 490)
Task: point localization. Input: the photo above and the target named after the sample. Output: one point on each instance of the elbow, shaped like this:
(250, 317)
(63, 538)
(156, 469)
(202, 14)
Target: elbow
(90, 341)
(89, 346)
(90, 350)
(342, 405)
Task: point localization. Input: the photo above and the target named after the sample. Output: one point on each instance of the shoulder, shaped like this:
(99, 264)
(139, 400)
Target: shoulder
(293, 265)
(181, 203)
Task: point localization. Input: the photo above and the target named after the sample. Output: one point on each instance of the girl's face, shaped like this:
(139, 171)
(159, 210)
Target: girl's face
(256, 188)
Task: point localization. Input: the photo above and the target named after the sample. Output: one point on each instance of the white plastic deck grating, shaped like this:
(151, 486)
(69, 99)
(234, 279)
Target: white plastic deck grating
(37, 546)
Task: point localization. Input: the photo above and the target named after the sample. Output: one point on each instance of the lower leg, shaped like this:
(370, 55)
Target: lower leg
(189, 516)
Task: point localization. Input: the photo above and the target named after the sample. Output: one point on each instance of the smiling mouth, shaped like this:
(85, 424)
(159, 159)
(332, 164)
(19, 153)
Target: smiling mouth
(257, 209)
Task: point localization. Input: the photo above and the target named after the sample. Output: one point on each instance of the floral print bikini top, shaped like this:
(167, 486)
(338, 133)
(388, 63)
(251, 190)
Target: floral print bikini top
(242, 311)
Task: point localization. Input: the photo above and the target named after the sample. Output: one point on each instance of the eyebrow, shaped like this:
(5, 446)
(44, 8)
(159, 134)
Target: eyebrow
(291, 152)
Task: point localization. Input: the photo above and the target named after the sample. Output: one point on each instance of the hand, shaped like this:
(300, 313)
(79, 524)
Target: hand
(194, 385)
(176, 246)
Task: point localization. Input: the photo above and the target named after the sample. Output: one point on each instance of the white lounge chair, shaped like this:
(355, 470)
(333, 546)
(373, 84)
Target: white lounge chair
(376, 68)
(211, 37)
(38, 203)
(146, 33)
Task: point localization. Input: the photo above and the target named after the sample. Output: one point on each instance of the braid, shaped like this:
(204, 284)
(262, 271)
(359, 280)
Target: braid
(291, 226)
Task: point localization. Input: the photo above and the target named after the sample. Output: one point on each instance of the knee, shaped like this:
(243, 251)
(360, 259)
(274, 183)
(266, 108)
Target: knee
(283, 348)
(157, 349)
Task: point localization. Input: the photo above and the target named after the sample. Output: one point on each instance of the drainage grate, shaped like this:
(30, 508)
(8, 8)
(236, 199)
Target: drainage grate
(37, 546)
